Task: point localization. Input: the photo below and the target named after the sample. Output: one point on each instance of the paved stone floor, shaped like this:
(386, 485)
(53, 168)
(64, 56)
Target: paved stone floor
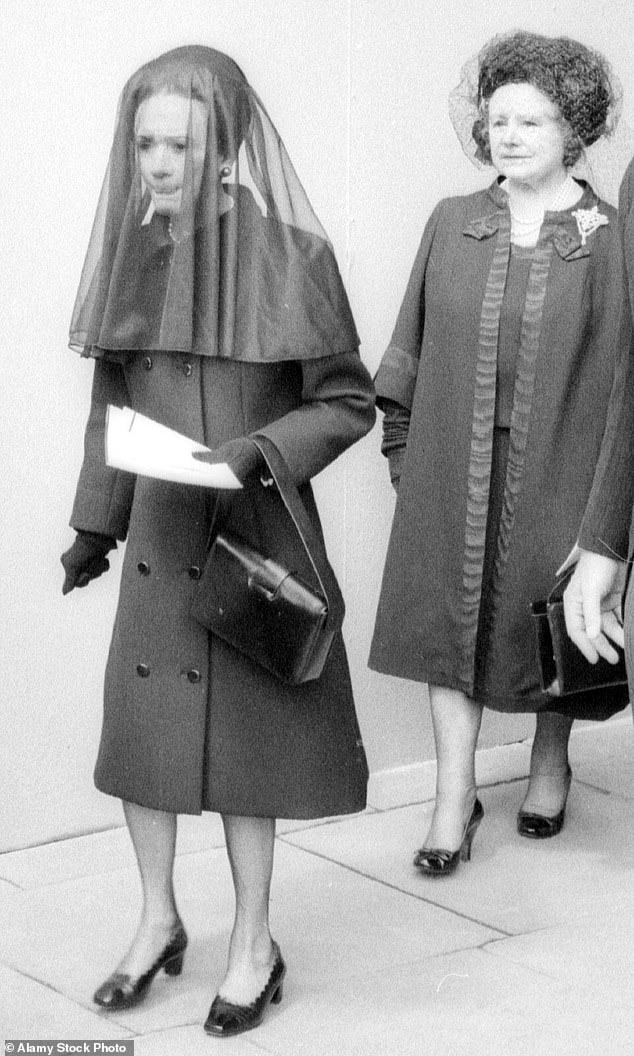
(528, 950)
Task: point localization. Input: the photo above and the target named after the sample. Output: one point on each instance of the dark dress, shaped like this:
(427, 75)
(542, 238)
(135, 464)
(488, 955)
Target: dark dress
(189, 723)
(511, 313)
(493, 488)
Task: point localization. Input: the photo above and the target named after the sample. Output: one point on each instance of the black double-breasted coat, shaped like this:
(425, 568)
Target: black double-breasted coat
(189, 723)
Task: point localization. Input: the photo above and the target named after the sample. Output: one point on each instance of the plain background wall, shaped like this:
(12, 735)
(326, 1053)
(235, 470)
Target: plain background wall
(358, 90)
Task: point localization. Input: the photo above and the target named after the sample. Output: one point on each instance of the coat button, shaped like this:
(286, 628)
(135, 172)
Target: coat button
(187, 370)
(193, 675)
(194, 572)
(143, 568)
(147, 362)
(142, 670)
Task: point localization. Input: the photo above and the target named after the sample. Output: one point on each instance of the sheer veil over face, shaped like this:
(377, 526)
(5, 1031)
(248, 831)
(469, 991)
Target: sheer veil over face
(162, 132)
(204, 239)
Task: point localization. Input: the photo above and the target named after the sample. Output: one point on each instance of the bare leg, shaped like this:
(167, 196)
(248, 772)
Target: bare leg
(548, 785)
(456, 721)
(153, 834)
(250, 845)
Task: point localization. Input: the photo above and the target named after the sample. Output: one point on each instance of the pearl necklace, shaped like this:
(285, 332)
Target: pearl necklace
(525, 229)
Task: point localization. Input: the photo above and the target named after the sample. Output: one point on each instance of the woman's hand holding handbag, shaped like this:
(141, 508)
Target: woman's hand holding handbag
(565, 668)
(261, 607)
(241, 455)
(593, 606)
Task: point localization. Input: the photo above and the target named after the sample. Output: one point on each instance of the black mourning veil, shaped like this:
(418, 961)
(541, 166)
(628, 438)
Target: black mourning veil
(244, 271)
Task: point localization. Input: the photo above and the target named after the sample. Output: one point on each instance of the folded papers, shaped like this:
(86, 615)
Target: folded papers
(140, 445)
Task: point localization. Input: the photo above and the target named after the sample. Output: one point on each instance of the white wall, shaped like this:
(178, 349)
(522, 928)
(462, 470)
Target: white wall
(358, 91)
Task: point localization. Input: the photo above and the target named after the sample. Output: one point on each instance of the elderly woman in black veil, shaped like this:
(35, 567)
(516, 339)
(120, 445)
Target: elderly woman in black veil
(211, 302)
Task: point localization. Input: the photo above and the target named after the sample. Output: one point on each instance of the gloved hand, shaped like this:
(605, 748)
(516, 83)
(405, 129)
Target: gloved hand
(241, 455)
(86, 559)
(395, 459)
(395, 433)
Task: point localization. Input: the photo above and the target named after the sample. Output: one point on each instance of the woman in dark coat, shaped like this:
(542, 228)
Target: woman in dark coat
(495, 388)
(211, 302)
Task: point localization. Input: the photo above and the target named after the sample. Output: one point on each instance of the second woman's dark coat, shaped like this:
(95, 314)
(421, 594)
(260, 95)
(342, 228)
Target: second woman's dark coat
(441, 366)
(189, 723)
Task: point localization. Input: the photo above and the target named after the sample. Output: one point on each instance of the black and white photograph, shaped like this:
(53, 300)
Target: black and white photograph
(317, 424)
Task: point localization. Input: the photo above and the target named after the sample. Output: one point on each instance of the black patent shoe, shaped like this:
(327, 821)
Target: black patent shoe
(433, 861)
(537, 826)
(124, 991)
(226, 1019)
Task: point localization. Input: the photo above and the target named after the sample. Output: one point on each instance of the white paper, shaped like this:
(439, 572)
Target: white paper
(140, 445)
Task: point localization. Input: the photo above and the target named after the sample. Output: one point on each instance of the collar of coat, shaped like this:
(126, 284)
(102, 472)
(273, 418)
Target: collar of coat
(562, 227)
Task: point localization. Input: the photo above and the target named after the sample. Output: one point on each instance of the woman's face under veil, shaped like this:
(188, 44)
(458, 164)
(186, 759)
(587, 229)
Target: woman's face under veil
(163, 135)
(204, 240)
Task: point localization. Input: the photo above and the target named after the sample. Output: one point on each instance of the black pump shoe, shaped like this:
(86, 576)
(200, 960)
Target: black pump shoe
(433, 861)
(540, 826)
(124, 991)
(226, 1019)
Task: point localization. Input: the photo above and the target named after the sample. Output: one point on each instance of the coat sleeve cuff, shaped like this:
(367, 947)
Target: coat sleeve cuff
(396, 378)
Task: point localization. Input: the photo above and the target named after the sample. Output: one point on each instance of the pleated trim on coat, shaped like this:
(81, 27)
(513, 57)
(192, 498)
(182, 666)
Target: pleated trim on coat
(480, 456)
(560, 233)
(523, 396)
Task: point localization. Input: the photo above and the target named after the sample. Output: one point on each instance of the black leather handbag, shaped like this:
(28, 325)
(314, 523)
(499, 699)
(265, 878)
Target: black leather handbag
(564, 668)
(264, 609)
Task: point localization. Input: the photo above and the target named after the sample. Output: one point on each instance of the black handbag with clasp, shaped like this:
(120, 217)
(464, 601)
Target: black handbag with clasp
(564, 668)
(264, 609)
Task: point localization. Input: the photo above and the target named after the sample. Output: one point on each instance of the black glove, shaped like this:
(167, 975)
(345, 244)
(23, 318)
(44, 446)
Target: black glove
(395, 433)
(395, 459)
(86, 559)
(241, 455)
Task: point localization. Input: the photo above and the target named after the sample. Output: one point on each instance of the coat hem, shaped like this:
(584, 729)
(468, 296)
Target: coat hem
(355, 806)
(579, 707)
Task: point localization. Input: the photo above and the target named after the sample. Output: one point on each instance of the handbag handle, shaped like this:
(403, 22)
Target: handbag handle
(557, 591)
(309, 537)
